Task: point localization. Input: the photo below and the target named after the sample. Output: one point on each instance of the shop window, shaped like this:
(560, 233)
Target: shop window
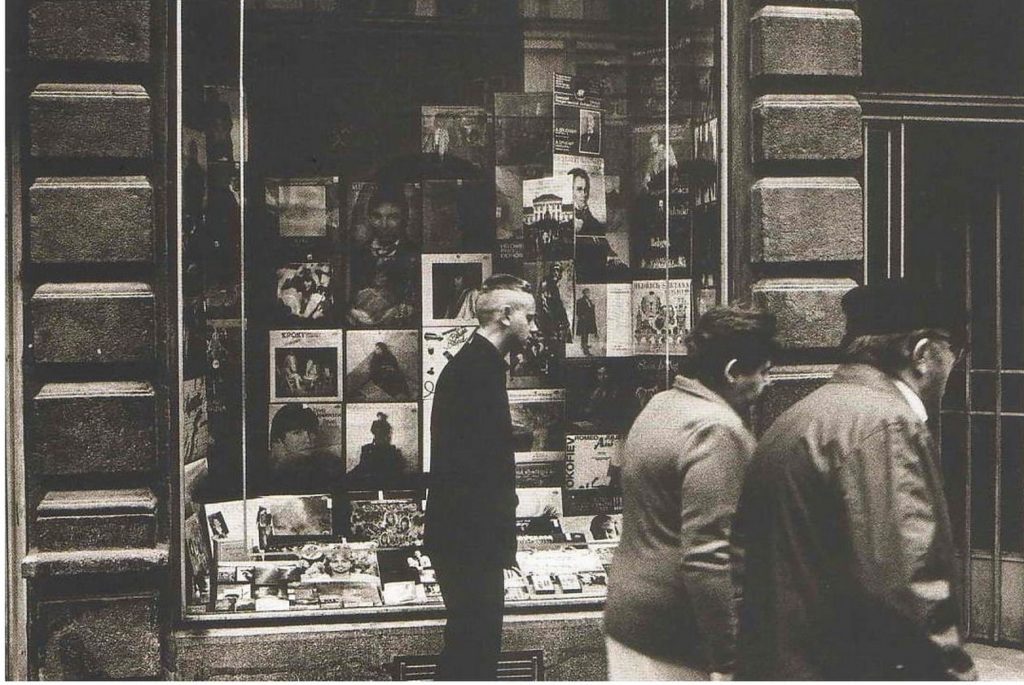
(350, 174)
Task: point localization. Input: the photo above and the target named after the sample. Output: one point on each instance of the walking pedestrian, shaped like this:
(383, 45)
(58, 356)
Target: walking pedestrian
(848, 570)
(670, 611)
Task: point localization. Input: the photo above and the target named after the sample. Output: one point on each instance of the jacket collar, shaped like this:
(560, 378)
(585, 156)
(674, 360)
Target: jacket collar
(692, 386)
(870, 377)
(486, 349)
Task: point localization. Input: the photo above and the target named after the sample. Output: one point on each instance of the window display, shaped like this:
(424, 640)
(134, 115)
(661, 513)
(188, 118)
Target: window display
(342, 203)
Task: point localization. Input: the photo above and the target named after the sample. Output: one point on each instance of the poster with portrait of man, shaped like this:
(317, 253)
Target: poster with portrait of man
(381, 366)
(384, 231)
(451, 285)
(304, 365)
(652, 158)
(596, 528)
(382, 443)
(576, 115)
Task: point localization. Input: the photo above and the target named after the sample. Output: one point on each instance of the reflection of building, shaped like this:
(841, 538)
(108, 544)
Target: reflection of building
(935, 175)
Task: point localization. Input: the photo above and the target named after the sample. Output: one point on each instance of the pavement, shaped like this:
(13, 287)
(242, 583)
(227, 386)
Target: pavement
(998, 663)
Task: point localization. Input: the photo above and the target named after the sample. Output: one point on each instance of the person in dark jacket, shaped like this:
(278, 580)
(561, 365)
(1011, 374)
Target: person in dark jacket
(670, 612)
(847, 565)
(470, 531)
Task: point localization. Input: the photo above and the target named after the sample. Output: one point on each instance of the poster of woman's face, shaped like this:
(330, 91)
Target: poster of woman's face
(452, 284)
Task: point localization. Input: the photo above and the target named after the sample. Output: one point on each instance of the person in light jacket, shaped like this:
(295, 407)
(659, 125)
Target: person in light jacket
(845, 557)
(670, 609)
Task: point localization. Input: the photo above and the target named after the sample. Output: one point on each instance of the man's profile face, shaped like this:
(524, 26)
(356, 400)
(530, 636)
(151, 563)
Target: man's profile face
(939, 360)
(386, 220)
(522, 320)
(580, 193)
(590, 124)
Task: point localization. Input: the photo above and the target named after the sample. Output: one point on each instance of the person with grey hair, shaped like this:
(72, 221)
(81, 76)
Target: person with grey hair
(470, 531)
(847, 566)
(670, 612)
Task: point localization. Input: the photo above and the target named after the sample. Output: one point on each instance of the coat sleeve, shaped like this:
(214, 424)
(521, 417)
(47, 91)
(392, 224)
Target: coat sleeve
(902, 552)
(716, 456)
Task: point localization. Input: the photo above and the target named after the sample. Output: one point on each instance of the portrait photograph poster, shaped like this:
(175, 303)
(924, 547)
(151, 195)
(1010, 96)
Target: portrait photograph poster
(360, 193)
(594, 166)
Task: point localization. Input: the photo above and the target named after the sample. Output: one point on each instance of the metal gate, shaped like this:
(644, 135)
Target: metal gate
(944, 200)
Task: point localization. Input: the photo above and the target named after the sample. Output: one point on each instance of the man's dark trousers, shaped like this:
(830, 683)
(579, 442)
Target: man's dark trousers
(474, 597)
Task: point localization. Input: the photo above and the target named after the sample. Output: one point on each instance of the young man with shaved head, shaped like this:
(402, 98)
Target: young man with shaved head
(470, 529)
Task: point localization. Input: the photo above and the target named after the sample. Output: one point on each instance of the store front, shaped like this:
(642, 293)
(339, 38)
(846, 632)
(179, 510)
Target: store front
(242, 259)
(349, 179)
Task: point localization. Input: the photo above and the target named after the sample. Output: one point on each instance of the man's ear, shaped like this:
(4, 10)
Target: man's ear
(727, 371)
(918, 356)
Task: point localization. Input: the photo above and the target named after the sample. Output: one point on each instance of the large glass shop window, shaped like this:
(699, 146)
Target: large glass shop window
(351, 172)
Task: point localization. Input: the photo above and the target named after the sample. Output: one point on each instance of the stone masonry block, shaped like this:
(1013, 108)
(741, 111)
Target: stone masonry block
(807, 220)
(98, 219)
(808, 309)
(789, 385)
(805, 41)
(95, 519)
(806, 127)
(89, 120)
(102, 638)
(112, 31)
(93, 322)
(92, 428)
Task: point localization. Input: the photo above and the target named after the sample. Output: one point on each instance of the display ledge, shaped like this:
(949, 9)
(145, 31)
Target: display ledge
(390, 613)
